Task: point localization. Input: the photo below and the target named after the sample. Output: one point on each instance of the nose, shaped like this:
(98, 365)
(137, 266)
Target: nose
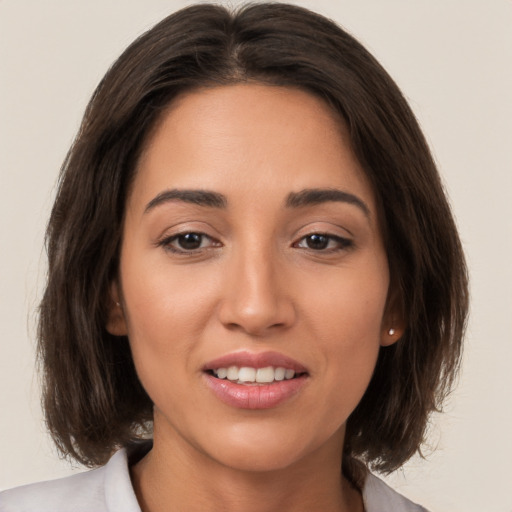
(256, 298)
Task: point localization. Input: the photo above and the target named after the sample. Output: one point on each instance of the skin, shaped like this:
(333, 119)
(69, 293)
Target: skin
(256, 283)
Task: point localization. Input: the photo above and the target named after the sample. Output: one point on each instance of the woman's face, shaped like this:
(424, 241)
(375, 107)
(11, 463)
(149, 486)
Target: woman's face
(251, 241)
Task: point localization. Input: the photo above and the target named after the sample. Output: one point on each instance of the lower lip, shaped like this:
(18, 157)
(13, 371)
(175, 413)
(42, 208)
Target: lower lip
(261, 396)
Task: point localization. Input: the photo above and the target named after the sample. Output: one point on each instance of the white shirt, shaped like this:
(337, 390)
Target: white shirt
(109, 489)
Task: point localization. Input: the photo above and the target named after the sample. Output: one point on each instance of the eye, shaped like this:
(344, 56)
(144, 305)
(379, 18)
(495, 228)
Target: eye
(323, 242)
(188, 242)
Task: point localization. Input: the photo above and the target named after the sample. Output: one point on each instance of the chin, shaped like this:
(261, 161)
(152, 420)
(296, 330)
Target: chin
(262, 460)
(259, 449)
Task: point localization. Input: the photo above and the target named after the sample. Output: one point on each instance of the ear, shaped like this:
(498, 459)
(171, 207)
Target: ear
(393, 321)
(116, 322)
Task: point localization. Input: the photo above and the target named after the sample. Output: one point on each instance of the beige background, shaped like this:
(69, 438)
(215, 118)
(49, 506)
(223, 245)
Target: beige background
(453, 60)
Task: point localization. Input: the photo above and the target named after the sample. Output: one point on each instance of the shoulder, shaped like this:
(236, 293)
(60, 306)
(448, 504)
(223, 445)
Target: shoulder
(379, 497)
(106, 489)
(78, 492)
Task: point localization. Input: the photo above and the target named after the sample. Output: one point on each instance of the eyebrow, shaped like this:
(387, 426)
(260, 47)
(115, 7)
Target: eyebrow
(306, 197)
(199, 197)
(313, 196)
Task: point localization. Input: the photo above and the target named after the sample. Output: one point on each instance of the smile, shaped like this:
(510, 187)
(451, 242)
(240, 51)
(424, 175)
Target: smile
(249, 375)
(255, 381)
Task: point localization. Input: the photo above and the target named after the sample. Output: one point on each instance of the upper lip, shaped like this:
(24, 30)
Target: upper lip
(255, 360)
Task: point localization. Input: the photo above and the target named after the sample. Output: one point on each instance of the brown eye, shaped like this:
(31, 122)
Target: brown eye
(323, 242)
(189, 241)
(317, 242)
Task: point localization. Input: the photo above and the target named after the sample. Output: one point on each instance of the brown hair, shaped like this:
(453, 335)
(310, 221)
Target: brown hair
(93, 399)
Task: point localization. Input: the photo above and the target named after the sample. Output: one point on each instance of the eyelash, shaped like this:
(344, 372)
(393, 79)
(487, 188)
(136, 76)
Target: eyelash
(341, 243)
(166, 243)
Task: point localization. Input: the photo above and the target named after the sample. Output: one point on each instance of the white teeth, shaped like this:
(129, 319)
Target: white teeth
(260, 375)
(232, 373)
(222, 373)
(246, 374)
(265, 374)
(279, 373)
(289, 374)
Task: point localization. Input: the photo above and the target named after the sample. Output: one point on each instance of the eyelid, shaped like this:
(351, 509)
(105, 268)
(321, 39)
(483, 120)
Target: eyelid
(344, 243)
(332, 228)
(166, 241)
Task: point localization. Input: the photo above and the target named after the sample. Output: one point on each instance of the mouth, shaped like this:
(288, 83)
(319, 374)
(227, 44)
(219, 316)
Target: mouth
(255, 376)
(255, 381)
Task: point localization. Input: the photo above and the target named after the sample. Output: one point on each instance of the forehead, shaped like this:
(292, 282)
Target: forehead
(249, 138)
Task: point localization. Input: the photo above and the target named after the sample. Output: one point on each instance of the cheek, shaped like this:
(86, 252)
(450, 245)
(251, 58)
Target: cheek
(164, 298)
(346, 316)
(349, 305)
(167, 309)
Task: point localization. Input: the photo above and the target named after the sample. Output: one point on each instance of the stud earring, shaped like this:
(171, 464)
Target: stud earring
(118, 304)
(391, 332)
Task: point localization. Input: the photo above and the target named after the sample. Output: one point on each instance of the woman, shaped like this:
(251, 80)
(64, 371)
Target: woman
(252, 263)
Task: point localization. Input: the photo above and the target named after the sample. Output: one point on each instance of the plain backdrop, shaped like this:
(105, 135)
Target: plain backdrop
(453, 61)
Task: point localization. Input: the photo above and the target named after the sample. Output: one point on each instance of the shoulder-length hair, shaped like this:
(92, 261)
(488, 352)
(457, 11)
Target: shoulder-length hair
(93, 400)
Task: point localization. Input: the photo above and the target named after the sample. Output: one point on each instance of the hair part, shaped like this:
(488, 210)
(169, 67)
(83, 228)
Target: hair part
(93, 400)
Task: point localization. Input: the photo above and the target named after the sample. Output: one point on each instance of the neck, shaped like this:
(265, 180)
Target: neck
(177, 476)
